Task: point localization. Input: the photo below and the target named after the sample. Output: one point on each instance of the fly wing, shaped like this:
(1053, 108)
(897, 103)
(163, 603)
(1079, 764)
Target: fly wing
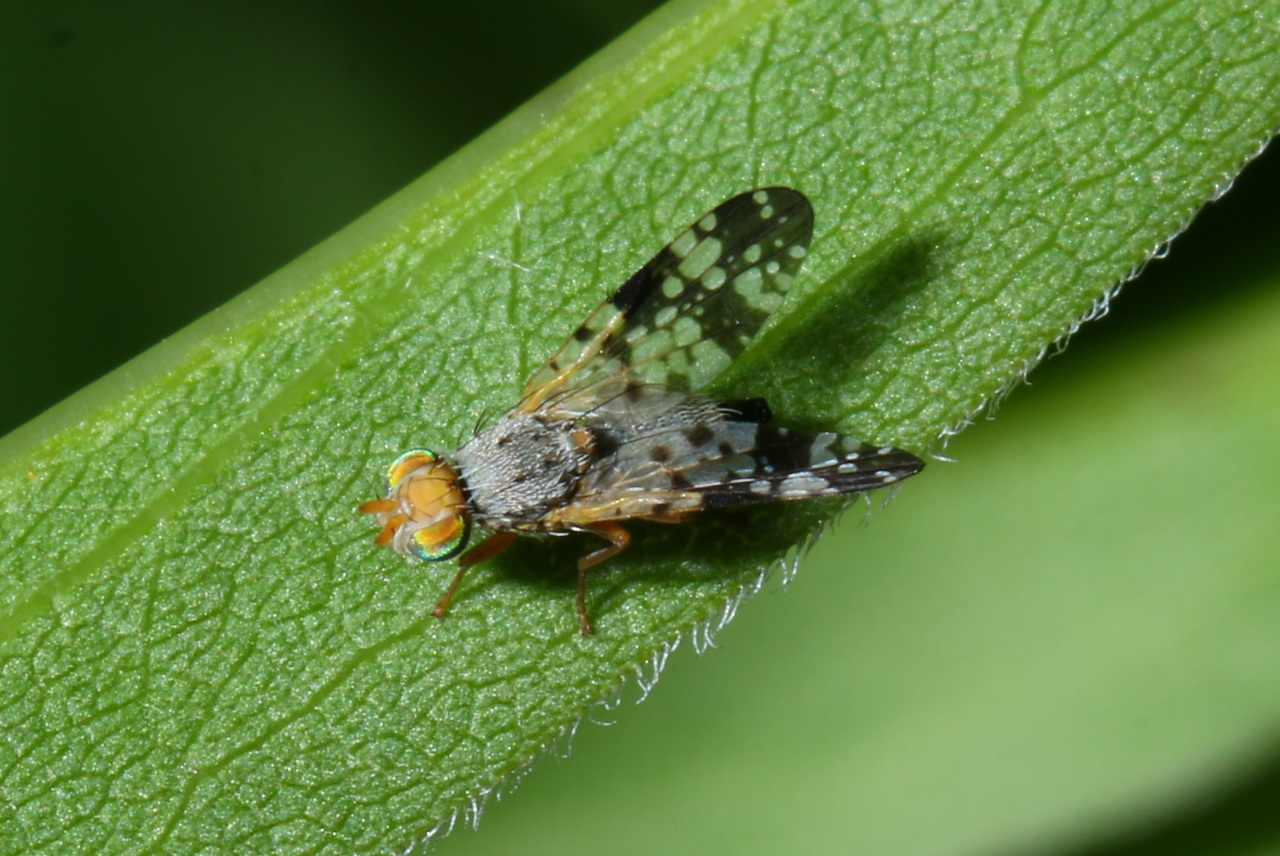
(786, 465)
(686, 315)
(699, 454)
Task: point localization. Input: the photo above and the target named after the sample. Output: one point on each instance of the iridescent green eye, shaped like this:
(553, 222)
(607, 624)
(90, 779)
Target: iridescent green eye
(407, 463)
(441, 540)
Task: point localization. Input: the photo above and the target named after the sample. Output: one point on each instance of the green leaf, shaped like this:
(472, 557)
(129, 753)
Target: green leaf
(201, 647)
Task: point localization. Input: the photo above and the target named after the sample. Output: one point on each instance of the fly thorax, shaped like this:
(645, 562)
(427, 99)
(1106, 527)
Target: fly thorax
(523, 467)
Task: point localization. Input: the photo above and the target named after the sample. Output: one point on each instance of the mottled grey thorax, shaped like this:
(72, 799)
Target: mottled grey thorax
(523, 467)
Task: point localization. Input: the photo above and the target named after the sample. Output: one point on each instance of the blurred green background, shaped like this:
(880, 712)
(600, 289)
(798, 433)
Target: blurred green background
(159, 159)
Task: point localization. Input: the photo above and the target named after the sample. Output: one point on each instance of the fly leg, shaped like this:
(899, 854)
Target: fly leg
(486, 549)
(618, 539)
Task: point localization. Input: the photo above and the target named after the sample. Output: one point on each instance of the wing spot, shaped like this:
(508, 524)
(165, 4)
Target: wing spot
(714, 278)
(753, 253)
(748, 282)
(672, 287)
(684, 245)
(660, 454)
(760, 197)
(771, 267)
(797, 251)
(704, 255)
(803, 484)
(605, 444)
(708, 223)
(680, 482)
(761, 487)
(686, 331)
(699, 435)
(726, 448)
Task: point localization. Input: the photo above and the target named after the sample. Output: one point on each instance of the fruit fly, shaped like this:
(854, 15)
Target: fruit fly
(612, 428)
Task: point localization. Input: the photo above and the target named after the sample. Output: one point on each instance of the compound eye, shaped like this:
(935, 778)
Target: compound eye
(408, 462)
(443, 539)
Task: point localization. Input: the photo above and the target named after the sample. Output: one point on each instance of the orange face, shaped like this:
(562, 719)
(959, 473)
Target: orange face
(424, 513)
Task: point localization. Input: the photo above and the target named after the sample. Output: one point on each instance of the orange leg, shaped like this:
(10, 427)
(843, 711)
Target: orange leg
(486, 549)
(618, 539)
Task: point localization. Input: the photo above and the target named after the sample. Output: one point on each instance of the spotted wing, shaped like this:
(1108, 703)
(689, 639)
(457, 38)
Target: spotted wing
(686, 315)
(786, 465)
(697, 454)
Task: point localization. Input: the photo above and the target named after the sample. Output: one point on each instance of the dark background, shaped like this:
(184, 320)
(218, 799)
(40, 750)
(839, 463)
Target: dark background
(161, 158)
